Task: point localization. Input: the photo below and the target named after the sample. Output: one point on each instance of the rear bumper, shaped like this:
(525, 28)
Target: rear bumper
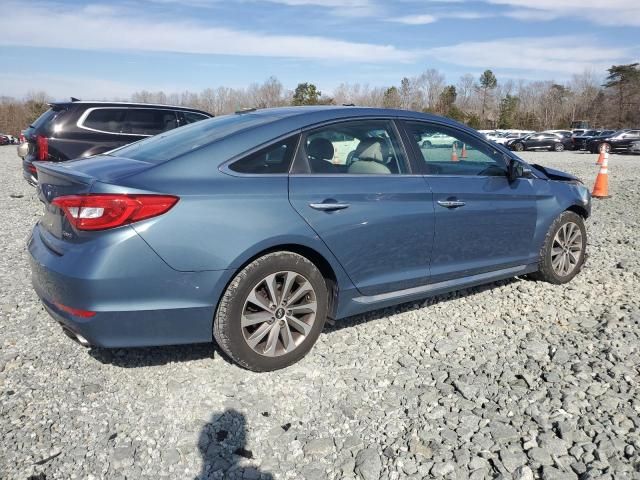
(138, 300)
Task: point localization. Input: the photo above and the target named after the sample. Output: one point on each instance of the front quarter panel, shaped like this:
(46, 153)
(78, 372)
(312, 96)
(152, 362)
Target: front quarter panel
(554, 198)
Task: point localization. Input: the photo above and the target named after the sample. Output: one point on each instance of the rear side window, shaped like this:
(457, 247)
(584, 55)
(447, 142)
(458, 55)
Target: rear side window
(109, 120)
(275, 158)
(146, 121)
(192, 117)
(180, 141)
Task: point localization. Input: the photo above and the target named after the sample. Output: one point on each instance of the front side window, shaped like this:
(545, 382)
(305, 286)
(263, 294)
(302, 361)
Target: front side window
(448, 151)
(274, 159)
(356, 147)
(109, 120)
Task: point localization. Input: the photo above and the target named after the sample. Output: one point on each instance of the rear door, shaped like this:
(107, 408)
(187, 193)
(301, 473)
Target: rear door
(373, 214)
(482, 221)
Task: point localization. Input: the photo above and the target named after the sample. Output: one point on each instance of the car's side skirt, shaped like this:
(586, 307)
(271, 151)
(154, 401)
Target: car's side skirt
(360, 304)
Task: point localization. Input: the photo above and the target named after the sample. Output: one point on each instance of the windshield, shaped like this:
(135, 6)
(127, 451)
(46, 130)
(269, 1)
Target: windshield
(177, 142)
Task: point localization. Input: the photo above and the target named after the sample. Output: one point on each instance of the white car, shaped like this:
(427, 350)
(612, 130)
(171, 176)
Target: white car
(437, 140)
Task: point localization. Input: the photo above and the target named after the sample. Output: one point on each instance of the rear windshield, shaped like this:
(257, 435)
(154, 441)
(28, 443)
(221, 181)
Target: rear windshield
(46, 118)
(180, 141)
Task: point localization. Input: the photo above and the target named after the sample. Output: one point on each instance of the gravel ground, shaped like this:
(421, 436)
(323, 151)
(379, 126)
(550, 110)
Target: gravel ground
(515, 380)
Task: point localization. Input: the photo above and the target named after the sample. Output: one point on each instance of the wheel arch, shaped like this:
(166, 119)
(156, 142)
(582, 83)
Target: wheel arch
(332, 273)
(578, 209)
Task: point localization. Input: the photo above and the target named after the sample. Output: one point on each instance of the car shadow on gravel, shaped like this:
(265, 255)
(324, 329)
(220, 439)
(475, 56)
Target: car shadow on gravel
(415, 305)
(222, 445)
(154, 356)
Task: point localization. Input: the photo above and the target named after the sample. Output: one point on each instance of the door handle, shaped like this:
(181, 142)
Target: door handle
(328, 207)
(451, 203)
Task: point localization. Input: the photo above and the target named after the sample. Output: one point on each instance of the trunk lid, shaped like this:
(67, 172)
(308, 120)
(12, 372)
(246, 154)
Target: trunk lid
(76, 177)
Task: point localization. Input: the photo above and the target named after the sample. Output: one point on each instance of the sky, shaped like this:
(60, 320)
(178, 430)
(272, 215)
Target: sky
(111, 49)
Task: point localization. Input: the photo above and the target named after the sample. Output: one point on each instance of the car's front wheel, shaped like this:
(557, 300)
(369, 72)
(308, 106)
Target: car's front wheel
(558, 147)
(518, 147)
(564, 249)
(272, 312)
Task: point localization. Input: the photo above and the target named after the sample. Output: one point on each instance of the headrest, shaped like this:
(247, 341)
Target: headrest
(320, 149)
(372, 149)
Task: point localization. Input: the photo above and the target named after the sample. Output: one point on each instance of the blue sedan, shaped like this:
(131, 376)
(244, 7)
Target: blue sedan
(252, 229)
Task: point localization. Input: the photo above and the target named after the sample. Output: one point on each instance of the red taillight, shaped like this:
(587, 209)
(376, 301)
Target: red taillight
(101, 212)
(43, 147)
(75, 311)
(32, 169)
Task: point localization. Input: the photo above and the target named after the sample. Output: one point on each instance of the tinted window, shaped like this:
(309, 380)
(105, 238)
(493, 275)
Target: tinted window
(106, 120)
(46, 117)
(180, 141)
(192, 117)
(275, 158)
(448, 151)
(359, 147)
(146, 121)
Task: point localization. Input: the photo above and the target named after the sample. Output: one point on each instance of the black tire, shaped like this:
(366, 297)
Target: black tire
(558, 147)
(607, 147)
(227, 329)
(426, 144)
(546, 272)
(518, 147)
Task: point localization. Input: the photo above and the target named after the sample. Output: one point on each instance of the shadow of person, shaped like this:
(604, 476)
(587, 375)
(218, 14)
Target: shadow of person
(222, 445)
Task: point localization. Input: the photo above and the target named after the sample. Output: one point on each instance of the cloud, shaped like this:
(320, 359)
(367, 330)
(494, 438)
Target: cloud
(340, 8)
(557, 55)
(603, 12)
(110, 30)
(415, 19)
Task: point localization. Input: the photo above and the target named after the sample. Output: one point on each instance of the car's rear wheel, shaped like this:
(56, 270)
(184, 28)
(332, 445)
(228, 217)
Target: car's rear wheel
(606, 147)
(272, 312)
(518, 147)
(558, 147)
(564, 249)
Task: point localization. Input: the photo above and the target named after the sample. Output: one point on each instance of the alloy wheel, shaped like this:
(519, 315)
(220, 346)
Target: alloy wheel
(566, 249)
(279, 313)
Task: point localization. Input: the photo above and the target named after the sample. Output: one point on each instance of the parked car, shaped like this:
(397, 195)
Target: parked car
(506, 136)
(435, 140)
(5, 140)
(78, 129)
(541, 141)
(243, 228)
(580, 141)
(619, 141)
(564, 133)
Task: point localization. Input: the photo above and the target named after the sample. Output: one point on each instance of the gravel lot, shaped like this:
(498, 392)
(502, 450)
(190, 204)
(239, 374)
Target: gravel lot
(515, 380)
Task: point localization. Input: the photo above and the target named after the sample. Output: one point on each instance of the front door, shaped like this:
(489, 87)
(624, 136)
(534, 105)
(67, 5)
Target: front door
(376, 218)
(483, 222)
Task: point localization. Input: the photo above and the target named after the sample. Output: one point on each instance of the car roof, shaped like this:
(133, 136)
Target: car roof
(99, 103)
(306, 116)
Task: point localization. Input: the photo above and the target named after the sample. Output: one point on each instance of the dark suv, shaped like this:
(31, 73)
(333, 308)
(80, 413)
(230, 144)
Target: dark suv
(78, 129)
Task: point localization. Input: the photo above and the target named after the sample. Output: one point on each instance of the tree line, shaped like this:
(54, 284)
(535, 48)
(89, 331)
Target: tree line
(611, 101)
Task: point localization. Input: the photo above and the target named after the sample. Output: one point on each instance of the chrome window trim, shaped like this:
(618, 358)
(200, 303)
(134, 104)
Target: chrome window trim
(83, 117)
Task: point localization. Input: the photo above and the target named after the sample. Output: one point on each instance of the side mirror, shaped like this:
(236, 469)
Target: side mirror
(517, 170)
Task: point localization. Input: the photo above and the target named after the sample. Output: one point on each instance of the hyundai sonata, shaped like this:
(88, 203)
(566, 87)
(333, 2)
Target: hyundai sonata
(252, 229)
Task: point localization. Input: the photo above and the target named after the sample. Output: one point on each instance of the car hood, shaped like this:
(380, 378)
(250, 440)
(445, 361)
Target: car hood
(554, 174)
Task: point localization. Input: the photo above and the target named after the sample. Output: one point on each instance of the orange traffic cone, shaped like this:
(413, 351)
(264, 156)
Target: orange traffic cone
(454, 153)
(603, 154)
(601, 187)
(463, 154)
